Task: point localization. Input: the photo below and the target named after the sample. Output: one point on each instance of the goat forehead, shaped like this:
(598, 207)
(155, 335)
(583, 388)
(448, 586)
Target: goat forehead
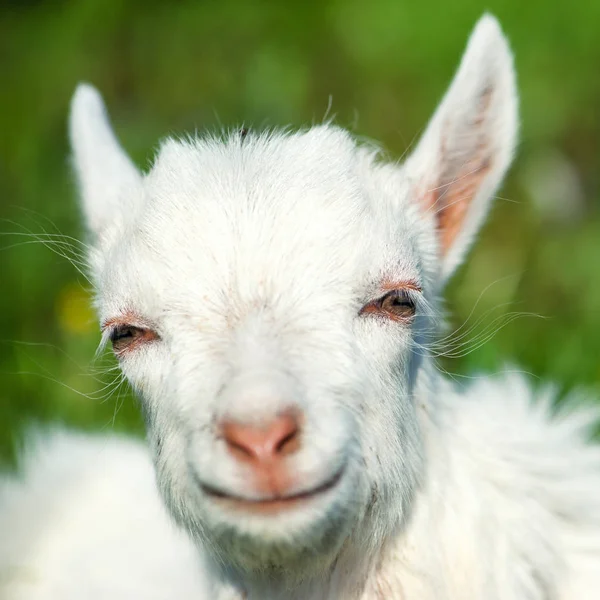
(274, 180)
(279, 203)
(287, 219)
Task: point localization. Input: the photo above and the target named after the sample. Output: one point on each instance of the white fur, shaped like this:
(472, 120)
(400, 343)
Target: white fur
(78, 522)
(251, 258)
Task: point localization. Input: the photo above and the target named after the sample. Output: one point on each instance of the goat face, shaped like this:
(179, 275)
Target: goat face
(274, 381)
(268, 296)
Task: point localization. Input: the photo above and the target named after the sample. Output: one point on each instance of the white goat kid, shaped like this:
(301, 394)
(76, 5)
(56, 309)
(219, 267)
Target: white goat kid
(270, 298)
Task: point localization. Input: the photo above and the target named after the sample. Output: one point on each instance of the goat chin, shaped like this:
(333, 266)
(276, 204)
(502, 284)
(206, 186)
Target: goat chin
(300, 537)
(271, 298)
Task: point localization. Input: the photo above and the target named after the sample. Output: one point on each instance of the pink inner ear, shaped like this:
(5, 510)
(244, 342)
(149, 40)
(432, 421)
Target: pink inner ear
(451, 201)
(464, 164)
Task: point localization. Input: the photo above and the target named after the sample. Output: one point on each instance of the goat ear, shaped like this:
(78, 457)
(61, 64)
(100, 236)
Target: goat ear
(468, 144)
(109, 183)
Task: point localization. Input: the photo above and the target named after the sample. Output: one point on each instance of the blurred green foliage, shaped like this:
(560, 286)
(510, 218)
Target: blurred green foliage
(168, 67)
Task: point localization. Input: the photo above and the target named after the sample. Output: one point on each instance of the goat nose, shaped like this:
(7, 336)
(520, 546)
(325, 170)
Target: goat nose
(263, 442)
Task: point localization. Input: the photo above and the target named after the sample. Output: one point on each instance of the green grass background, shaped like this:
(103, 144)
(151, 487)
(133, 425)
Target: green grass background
(168, 67)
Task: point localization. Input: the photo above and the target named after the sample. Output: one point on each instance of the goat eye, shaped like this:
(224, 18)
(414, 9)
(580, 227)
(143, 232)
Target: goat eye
(397, 305)
(123, 337)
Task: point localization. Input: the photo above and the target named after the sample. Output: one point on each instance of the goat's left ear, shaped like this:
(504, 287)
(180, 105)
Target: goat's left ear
(468, 145)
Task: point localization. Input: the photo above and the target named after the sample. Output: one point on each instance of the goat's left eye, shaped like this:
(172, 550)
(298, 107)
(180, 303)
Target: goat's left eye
(398, 302)
(397, 305)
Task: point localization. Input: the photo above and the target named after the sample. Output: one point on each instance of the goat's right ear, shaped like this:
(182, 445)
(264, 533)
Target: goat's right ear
(109, 183)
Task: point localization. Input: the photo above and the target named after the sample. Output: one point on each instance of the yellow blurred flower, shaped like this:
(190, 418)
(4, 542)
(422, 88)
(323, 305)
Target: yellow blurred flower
(73, 309)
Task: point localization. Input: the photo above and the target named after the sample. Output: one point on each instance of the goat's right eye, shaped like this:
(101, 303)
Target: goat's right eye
(124, 337)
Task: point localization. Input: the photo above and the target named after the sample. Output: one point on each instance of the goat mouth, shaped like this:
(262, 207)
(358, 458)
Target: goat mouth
(272, 504)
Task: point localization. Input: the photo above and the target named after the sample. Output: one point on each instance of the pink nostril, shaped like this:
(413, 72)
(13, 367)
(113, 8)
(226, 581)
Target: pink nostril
(263, 442)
